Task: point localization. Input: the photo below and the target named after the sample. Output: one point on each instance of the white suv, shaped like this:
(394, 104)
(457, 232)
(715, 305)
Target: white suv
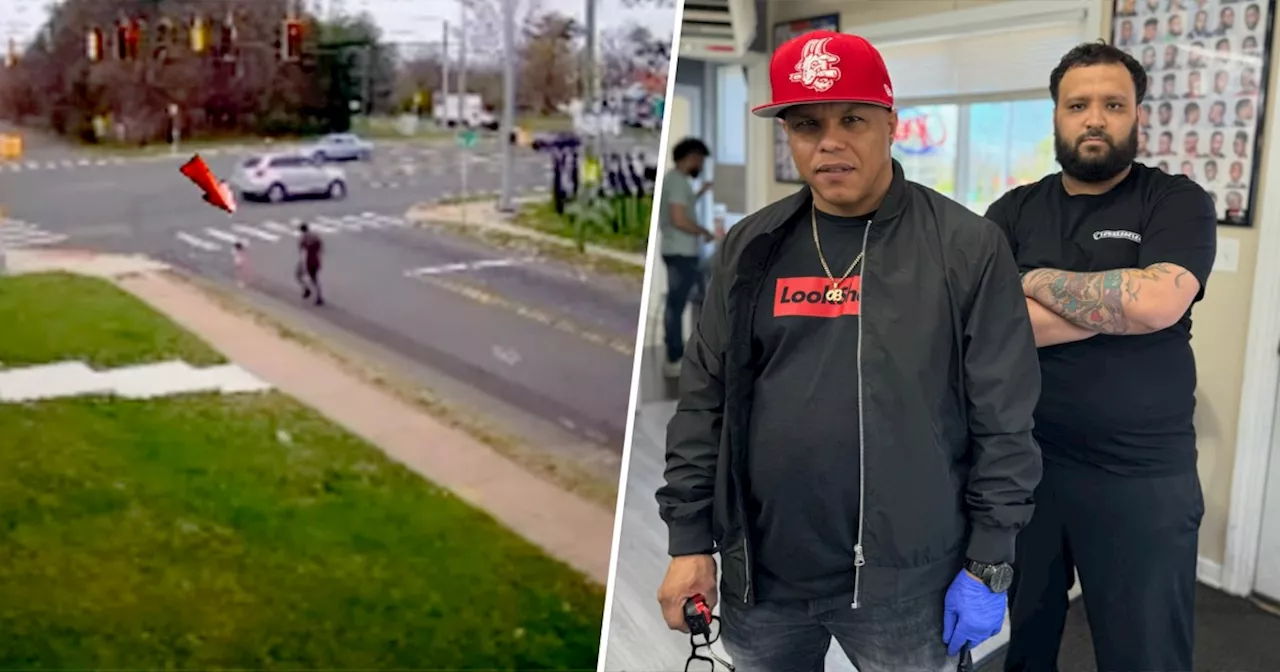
(277, 177)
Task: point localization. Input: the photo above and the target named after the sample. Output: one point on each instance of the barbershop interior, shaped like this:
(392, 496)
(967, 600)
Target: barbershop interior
(975, 120)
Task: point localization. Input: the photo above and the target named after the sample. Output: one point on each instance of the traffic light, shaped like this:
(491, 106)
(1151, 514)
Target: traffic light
(164, 35)
(291, 40)
(94, 45)
(199, 35)
(227, 39)
(122, 41)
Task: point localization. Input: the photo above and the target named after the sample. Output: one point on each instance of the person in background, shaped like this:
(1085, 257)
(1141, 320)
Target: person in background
(1113, 255)
(310, 254)
(682, 237)
(853, 432)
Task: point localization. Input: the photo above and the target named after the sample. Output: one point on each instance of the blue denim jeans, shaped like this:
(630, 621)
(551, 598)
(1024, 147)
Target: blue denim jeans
(683, 275)
(795, 636)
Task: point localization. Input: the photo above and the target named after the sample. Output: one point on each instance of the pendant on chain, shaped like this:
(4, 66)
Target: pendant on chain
(835, 295)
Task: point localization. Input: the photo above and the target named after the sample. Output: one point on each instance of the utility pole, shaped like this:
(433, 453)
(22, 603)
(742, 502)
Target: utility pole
(593, 143)
(444, 75)
(368, 75)
(508, 103)
(462, 61)
(463, 119)
(589, 70)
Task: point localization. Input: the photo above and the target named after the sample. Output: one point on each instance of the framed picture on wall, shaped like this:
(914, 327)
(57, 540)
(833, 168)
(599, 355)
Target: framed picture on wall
(784, 169)
(1207, 70)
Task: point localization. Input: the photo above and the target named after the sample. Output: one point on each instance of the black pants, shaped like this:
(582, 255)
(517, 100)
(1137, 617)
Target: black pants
(682, 276)
(1133, 541)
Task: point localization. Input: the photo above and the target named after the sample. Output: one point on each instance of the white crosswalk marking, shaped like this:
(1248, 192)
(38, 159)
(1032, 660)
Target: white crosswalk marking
(279, 228)
(15, 234)
(221, 235)
(199, 243)
(321, 227)
(255, 233)
(271, 231)
(331, 222)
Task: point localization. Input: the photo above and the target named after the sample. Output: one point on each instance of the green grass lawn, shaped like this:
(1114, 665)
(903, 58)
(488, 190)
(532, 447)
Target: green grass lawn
(542, 216)
(52, 317)
(244, 532)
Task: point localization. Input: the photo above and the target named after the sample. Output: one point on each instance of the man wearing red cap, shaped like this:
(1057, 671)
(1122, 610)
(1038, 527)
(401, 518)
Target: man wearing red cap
(862, 469)
(1115, 254)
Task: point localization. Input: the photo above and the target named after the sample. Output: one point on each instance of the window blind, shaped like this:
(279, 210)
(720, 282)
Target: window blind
(995, 62)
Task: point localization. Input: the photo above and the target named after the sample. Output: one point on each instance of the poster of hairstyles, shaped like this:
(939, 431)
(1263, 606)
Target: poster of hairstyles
(784, 169)
(1206, 63)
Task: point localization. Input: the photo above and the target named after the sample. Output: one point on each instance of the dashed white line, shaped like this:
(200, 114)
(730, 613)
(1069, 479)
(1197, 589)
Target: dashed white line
(280, 228)
(222, 235)
(250, 231)
(199, 243)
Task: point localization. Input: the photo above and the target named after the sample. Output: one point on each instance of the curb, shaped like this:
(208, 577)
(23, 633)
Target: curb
(414, 216)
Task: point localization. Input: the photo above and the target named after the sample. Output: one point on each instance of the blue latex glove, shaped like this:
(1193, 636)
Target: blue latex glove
(972, 614)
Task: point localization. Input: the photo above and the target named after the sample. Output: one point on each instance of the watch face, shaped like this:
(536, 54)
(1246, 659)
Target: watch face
(1000, 578)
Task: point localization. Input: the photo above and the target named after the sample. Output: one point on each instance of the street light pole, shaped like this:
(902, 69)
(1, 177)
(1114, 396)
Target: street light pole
(444, 76)
(509, 102)
(589, 72)
(463, 120)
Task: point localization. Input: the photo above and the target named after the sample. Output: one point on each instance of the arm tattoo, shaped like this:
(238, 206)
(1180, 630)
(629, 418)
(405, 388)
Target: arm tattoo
(1095, 301)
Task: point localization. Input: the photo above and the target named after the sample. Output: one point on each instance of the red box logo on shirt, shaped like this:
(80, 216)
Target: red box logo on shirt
(807, 297)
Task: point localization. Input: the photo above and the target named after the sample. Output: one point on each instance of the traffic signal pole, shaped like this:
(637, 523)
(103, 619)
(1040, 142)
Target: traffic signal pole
(508, 102)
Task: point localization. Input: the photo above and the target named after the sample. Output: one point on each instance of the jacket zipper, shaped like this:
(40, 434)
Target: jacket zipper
(859, 557)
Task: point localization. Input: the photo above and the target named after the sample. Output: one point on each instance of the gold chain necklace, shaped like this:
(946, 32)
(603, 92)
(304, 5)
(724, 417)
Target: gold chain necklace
(835, 294)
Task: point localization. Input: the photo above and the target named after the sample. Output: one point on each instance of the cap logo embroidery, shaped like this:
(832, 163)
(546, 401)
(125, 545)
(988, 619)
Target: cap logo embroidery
(816, 68)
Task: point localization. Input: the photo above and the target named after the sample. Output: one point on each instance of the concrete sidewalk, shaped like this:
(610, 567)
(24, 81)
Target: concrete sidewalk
(565, 526)
(484, 215)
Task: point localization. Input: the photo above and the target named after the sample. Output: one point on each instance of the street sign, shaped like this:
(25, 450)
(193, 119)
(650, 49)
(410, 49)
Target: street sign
(467, 139)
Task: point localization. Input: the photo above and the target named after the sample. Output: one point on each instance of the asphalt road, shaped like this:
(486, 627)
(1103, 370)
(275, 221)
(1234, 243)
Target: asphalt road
(534, 335)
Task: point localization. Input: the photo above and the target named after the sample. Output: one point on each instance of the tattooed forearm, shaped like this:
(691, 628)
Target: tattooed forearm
(1108, 302)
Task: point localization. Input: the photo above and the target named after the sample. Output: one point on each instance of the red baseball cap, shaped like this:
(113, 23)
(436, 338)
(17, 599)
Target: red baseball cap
(826, 67)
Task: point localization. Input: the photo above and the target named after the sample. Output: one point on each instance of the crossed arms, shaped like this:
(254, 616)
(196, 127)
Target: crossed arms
(1067, 306)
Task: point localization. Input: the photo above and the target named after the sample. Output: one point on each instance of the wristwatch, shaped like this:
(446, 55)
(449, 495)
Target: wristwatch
(997, 577)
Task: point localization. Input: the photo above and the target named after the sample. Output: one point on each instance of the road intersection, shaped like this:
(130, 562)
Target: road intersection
(533, 334)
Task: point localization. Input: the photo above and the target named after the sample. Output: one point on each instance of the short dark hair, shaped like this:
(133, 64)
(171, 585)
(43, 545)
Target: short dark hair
(1099, 53)
(689, 146)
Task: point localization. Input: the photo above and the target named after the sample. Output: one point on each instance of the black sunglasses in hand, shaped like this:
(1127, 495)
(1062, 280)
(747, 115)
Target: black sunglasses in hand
(698, 616)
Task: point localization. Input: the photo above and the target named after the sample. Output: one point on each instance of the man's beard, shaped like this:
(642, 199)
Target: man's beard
(695, 172)
(1101, 169)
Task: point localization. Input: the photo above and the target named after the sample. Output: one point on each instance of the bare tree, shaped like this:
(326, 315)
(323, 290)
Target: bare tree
(550, 62)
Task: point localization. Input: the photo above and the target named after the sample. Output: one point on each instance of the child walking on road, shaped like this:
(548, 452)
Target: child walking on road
(241, 255)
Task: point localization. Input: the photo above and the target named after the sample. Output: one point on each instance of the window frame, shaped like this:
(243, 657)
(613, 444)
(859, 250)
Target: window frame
(963, 106)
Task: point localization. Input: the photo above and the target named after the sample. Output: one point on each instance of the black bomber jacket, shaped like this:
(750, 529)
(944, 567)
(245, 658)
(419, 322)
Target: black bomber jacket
(948, 379)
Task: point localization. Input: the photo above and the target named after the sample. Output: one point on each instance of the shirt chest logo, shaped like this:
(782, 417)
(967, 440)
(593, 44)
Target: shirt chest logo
(1131, 236)
(808, 297)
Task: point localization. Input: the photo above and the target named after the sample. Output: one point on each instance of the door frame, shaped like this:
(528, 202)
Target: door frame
(1258, 393)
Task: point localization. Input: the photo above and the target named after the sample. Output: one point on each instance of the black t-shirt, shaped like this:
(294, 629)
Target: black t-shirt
(802, 455)
(1121, 403)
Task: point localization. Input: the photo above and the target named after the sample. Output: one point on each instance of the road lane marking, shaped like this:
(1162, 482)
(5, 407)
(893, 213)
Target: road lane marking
(280, 228)
(199, 243)
(507, 356)
(222, 235)
(469, 266)
(250, 231)
(317, 226)
(436, 270)
(620, 345)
